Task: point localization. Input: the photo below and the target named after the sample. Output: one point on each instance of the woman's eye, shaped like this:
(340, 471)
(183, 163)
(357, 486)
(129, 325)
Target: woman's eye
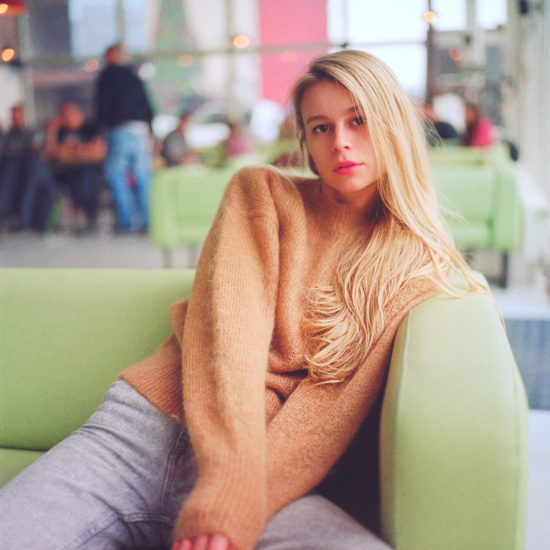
(358, 121)
(321, 129)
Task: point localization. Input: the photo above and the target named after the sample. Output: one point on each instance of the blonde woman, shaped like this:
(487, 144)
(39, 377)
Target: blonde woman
(220, 439)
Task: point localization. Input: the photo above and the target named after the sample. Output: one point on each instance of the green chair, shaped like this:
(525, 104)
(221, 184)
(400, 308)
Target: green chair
(453, 423)
(185, 199)
(481, 186)
(184, 202)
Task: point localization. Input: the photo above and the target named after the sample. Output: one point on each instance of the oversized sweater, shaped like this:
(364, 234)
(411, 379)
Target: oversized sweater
(234, 371)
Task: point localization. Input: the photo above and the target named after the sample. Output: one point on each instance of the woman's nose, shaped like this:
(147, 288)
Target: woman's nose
(341, 140)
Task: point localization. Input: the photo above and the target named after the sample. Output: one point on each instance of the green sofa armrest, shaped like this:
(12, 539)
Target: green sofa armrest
(453, 433)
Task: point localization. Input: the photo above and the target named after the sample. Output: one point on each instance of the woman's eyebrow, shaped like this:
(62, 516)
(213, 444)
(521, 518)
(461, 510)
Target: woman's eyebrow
(315, 118)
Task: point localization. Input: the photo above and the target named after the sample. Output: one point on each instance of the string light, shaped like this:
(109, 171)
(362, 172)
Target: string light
(13, 7)
(8, 54)
(430, 17)
(241, 41)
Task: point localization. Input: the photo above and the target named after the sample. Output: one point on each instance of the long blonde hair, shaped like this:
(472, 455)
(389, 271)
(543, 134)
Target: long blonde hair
(410, 239)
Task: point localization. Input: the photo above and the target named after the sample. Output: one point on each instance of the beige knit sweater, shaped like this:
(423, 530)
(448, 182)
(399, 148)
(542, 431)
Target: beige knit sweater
(263, 434)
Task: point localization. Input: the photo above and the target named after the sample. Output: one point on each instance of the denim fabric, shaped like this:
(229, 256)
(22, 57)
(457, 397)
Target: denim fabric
(129, 153)
(111, 484)
(119, 482)
(39, 195)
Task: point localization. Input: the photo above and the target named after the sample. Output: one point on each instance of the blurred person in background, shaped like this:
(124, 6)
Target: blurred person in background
(237, 143)
(75, 153)
(28, 194)
(438, 131)
(287, 150)
(175, 147)
(479, 129)
(125, 113)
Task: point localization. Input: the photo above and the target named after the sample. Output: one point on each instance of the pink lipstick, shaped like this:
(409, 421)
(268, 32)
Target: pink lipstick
(347, 167)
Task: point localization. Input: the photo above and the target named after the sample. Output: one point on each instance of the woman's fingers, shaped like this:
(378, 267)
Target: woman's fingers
(218, 542)
(201, 542)
(204, 542)
(182, 545)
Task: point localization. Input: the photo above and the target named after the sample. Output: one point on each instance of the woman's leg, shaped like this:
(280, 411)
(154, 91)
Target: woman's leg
(111, 484)
(314, 523)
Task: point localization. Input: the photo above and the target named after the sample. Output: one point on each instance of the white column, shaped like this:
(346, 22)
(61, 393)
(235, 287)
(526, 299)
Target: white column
(527, 114)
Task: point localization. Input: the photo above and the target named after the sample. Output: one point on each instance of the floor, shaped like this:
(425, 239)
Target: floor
(105, 249)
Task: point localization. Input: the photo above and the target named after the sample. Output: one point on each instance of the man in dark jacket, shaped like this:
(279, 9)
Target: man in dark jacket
(124, 112)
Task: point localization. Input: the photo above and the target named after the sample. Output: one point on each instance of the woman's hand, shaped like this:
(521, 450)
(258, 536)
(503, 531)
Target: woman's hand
(204, 542)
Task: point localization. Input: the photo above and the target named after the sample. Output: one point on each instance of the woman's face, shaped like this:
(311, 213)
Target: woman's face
(338, 140)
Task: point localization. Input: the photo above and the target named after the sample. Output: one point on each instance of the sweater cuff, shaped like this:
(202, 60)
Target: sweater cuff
(236, 509)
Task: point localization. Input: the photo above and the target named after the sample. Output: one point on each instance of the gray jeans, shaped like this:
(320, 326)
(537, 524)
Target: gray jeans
(120, 480)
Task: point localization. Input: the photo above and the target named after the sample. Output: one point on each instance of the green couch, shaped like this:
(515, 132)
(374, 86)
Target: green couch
(185, 199)
(453, 422)
(481, 186)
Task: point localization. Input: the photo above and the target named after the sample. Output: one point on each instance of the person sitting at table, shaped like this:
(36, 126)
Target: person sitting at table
(76, 152)
(175, 147)
(28, 194)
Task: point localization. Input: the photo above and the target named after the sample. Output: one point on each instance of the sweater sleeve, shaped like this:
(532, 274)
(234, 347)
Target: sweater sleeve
(318, 421)
(226, 341)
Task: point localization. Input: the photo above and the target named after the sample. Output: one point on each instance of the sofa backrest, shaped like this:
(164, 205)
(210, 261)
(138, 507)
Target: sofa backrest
(64, 336)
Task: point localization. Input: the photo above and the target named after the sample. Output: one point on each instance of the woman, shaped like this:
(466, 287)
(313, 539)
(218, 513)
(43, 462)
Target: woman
(279, 353)
(479, 129)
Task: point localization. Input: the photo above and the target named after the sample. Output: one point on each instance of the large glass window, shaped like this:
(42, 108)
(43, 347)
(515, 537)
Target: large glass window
(408, 63)
(395, 31)
(95, 24)
(398, 20)
(451, 14)
(491, 13)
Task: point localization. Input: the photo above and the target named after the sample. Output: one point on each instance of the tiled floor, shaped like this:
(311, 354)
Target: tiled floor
(136, 251)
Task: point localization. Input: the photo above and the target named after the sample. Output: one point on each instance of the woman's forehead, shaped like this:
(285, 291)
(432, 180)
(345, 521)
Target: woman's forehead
(327, 99)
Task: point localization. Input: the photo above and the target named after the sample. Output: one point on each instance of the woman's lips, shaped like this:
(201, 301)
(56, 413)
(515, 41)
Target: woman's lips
(346, 168)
